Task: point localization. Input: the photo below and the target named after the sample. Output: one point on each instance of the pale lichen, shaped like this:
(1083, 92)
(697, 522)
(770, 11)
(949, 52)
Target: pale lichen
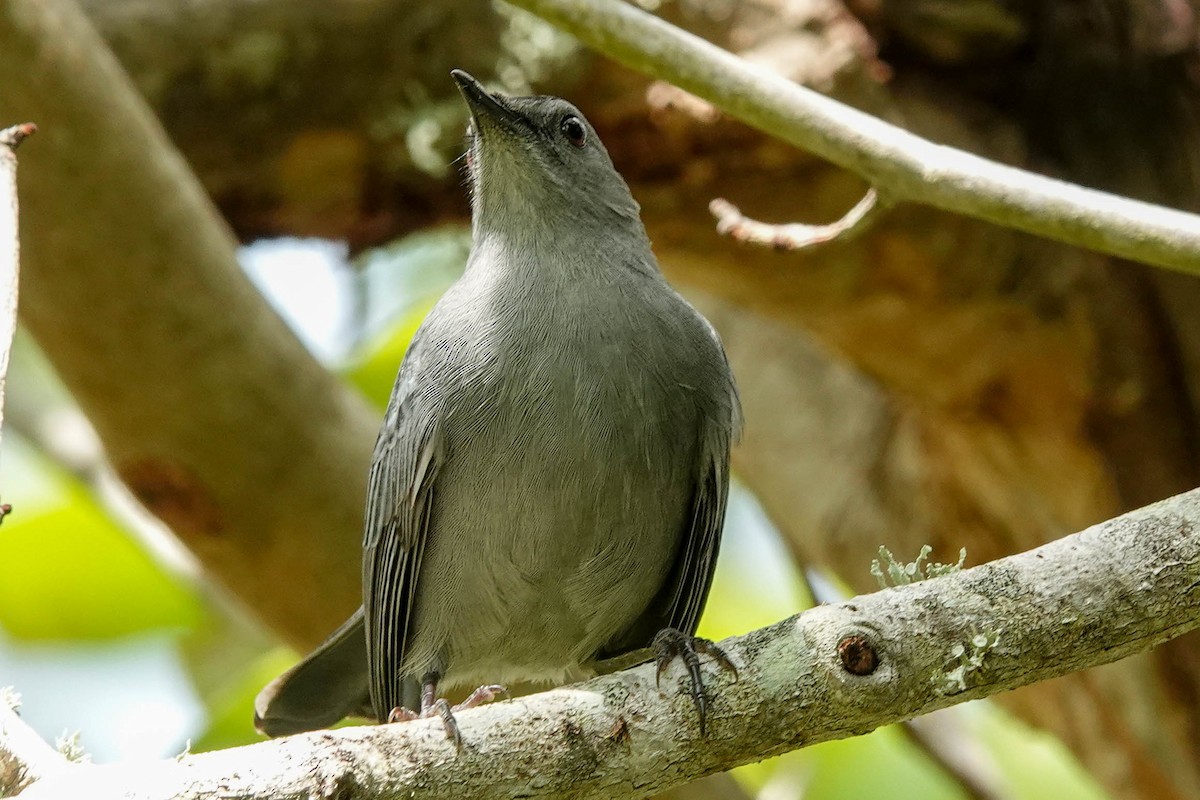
(890, 572)
(69, 745)
(965, 661)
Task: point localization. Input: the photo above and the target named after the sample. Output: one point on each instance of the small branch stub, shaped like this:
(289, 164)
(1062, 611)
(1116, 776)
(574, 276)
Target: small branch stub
(797, 236)
(12, 137)
(858, 655)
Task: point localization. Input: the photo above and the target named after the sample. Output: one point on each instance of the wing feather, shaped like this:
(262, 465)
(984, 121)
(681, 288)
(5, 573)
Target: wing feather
(399, 497)
(698, 560)
(680, 600)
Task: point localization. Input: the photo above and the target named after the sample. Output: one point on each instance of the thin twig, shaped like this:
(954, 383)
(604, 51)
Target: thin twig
(797, 235)
(904, 166)
(12, 137)
(10, 250)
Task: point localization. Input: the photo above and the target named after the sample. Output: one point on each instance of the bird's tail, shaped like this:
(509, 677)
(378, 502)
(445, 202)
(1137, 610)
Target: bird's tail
(326, 687)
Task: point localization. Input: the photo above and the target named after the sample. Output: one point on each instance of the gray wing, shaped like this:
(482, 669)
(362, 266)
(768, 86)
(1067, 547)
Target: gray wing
(680, 601)
(399, 496)
(693, 571)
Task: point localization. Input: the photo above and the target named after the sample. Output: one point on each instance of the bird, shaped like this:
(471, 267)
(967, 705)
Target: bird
(548, 487)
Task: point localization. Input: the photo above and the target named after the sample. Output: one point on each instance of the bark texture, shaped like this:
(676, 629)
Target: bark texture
(834, 671)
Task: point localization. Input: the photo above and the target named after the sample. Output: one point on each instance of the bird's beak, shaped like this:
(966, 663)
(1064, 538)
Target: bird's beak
(485, 105)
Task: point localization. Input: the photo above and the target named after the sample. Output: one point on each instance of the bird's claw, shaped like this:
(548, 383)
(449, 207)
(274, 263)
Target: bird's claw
(670, 644)
(432, 706)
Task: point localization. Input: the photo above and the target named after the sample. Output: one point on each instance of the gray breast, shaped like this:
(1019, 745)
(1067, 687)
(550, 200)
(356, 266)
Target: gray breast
(571, 446)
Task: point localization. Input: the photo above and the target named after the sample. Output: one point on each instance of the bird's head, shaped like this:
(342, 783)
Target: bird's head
(537, 161)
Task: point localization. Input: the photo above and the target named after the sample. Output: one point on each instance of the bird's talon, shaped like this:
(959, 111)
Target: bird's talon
(484, 694)
(443, 710)
(434, 706)
(402, 714)
(670, 644)
(713, 651)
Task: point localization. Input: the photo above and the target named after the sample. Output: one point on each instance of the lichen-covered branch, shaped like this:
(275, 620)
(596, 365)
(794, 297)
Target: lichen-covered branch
(835, 671)
(904, 166)
(25, 757)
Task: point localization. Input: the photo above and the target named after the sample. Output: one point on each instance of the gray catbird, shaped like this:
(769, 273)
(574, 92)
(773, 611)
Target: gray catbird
(548, 488)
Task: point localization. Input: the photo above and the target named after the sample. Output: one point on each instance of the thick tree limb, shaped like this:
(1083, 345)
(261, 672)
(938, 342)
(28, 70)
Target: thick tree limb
(208, 406)
(839, 670)
(904, 166)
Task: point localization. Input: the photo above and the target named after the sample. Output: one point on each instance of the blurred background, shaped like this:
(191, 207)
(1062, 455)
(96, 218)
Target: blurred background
(213, 312)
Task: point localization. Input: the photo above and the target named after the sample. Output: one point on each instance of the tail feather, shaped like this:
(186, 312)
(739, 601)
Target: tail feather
(326, 687)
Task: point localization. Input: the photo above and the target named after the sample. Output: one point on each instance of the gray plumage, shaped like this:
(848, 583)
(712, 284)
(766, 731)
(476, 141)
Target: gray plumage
(548, 487)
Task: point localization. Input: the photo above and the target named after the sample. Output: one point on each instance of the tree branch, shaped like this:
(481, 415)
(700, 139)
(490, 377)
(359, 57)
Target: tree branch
(797, 235)
(835, 671)
(939, 735)
(10, 248)
(903, 166)
(209, 408)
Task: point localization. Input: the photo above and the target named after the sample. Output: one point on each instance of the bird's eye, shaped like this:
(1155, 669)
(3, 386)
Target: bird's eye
(572, 128)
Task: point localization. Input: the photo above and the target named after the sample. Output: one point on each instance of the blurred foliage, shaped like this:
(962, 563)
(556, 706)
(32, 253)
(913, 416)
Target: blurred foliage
(68, 571)
(402, 282)
(1036, 764)
(91, 580)
(886, 763)
(881, 764)
(374, 371)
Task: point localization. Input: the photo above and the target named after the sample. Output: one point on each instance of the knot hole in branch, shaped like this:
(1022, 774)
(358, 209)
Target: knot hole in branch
(858, 655)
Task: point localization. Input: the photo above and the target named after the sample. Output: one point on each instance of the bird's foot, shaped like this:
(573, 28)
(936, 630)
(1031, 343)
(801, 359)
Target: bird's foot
(434, 706)
(483, 694)
(670, 644)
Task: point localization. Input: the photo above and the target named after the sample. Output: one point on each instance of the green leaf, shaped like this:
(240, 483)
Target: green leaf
(374, 372)
(67, 571)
